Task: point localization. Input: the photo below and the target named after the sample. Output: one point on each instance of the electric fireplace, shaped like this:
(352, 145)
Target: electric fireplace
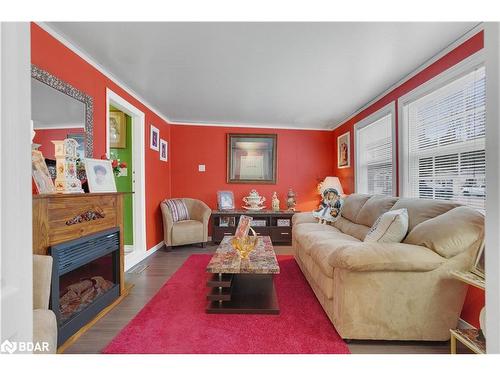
(85, 279)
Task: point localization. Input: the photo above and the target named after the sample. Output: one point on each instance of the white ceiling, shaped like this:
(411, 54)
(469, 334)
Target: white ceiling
(303, 75)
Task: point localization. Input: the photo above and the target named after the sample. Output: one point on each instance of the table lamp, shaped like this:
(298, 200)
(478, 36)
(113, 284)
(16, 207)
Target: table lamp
(330, 182)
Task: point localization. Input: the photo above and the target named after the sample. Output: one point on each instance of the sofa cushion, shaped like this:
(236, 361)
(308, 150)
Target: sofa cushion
(310, 240)
(187, 231)
(391, 226)
(348, 227)
(305, 228)
(375, 256)
(373, 208)
(352, 206)
(303, 217)
(322, 250)
(420, 210)
(451, 233)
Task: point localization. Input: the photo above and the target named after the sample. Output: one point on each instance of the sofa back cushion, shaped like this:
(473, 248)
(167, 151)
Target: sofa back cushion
(458, 230)
(352, 205)
(348, 227)
(420, 210)
(373, 208)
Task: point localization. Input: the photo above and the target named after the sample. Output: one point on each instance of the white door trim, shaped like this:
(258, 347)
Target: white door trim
(138, 162)
(16, 246)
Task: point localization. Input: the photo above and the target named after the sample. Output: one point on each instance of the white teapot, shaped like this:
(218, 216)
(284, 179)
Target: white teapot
(254, 201)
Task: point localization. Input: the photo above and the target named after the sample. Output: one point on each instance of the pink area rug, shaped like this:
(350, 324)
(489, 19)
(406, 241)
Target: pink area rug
(174, 320)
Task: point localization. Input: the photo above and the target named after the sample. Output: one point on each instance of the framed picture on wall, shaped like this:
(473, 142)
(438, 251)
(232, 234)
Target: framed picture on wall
(154, 138)
(163, 150)
(251, 158)
(117, 129)
(344, 150)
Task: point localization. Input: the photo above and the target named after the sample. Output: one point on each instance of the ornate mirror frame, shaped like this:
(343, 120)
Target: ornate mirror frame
(64, 87)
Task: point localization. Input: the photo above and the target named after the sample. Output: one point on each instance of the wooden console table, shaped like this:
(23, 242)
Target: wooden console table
(59, 218)
(276, 224)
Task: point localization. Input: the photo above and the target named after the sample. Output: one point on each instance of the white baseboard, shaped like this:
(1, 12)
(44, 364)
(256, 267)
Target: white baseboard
(462, 324)
(135, 258)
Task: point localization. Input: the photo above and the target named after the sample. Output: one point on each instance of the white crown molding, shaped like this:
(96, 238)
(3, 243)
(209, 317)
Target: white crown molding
(138, 97)
(476, 29)
(42, 126)
(250, 125)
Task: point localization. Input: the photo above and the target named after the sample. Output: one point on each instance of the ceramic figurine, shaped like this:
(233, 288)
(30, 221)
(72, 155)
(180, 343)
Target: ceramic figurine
(275, 202)
(66, 155)
(254, 201)
(291, 200)
(330, 207)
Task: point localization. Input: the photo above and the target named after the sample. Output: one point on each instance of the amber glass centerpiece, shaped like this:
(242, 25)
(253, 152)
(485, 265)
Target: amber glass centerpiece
(245, 245)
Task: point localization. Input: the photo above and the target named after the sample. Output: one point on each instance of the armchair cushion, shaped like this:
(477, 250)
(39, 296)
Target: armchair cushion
(187, 231)
(178, 209)
(375, 256)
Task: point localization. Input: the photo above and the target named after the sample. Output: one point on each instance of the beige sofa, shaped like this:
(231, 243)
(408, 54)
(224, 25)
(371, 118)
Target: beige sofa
(190, 231)
(397, 291)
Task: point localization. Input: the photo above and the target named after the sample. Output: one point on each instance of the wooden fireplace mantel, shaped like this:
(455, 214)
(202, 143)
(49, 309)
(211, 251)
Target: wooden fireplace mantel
(59, 218)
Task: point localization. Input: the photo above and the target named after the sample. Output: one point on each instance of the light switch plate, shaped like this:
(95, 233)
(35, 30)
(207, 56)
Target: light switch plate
(201, 168)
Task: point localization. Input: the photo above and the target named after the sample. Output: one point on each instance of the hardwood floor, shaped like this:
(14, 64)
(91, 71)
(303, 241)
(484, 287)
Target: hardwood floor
(150, 275)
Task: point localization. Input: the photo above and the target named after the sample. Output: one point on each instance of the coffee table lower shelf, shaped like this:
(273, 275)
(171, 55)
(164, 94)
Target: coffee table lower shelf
(243, 294)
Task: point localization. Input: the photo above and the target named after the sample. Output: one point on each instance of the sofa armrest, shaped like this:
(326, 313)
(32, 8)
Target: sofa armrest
(200, 211)
(303, 217)
(373, 256)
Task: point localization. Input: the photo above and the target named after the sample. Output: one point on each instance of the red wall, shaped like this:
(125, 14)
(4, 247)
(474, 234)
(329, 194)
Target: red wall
(475, 298)
(304, 158)
(44, 138)
(52, 56)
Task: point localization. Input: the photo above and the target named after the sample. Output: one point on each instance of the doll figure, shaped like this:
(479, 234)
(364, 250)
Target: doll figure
(330, 207)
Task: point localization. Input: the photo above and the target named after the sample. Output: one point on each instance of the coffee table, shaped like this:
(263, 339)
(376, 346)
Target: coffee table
(243, 286)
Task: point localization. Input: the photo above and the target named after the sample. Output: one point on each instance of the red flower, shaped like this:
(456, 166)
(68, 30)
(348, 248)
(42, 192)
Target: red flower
(114, 163)
(123, 165)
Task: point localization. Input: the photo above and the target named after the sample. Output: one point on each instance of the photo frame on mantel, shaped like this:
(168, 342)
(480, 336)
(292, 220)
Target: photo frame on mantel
(252, 158)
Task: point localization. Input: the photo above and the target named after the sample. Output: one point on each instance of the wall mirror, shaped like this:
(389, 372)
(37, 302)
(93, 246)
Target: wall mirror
(59, 111)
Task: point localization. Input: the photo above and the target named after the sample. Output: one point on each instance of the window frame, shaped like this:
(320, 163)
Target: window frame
(388, 109)
(453, 73)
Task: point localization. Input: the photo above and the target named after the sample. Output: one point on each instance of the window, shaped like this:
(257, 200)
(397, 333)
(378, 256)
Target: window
(374, 153)
(444, 141)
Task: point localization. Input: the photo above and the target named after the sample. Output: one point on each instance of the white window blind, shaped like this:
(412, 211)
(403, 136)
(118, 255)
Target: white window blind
(374, 156)
(446, 142)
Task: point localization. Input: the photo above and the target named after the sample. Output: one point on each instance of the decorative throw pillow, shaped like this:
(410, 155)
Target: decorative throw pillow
(391, 226)
(177, 209)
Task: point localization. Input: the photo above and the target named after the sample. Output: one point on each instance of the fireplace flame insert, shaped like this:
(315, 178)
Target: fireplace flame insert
(85, 279)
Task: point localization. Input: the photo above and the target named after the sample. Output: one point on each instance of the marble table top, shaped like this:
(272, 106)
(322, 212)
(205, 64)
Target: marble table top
(260, 261)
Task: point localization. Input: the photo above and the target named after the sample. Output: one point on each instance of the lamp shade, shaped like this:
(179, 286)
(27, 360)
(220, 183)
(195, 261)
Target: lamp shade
(331, 182)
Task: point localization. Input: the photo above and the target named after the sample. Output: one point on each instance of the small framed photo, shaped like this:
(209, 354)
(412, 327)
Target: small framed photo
(224, 221)
(283, 222)
(478, 268)
(243, 226)
(100, 176)
(163, 150)
(117, 129)
(344, 150)
(154, 138)
(225, 200)
(40, 173)
(259, 223)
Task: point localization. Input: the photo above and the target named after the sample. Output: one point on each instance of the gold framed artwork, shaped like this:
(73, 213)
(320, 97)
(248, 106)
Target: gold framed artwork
(344, 150)
(251, 158)
(117, 130)
(40, 173)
